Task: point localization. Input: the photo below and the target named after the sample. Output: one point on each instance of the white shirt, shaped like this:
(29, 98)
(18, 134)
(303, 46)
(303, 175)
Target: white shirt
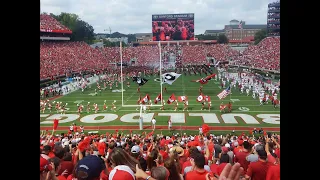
(153, 121)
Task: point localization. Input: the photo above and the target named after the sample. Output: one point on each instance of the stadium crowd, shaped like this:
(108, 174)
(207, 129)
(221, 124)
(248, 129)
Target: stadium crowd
(265, 55)
(153, 156)
(47, 22)
(59, 58)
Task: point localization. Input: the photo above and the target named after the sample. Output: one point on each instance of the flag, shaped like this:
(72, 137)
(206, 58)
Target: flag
(224, 93)
(200, 98)
(140, 81)
(182, 98)
(205, 80)
(171, 99)
(217, 64)
(170, 77)
(55, 124)
(145, 99)
(205, 128)
(158, 99)
(207, 98)
(240, 24)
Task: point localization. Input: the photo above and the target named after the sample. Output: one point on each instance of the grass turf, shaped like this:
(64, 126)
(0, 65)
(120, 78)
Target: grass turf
(182, 86)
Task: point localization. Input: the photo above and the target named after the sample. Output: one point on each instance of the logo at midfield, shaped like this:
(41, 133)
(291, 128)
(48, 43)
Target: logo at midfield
(243, 109)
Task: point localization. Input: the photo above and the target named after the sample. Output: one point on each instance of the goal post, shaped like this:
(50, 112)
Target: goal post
(122, 80)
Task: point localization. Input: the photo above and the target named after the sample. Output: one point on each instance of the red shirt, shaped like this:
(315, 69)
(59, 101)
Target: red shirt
(192, 175)
(258, 170)
(61, 178)
(164, 154)
(240, 157)
(66, 165)
(273, 173)
(220, 168)
(214, 168)
(185, 164)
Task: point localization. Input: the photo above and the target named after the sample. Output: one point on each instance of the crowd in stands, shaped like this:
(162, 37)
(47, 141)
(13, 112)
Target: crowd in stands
(265, 55)
(274, 33)
(59, 58)
(47, 22)
(274, 20)
(274, 15)
(153, 156)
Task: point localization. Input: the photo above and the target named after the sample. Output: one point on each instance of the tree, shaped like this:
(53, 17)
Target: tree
(81, 30)
(222, 39)
(260, 35)
(206, 37)
(108, 43)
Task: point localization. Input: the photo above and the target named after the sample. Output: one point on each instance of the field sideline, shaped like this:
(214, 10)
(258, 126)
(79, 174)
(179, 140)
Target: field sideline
(246, 112)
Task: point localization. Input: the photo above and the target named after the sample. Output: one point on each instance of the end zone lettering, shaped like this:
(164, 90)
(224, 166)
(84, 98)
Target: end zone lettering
(175, 118)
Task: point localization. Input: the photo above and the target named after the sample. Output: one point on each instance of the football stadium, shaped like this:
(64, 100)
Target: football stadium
(167, 92)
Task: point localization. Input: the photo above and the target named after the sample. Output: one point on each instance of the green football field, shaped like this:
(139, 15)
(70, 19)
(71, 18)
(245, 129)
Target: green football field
(246, 114)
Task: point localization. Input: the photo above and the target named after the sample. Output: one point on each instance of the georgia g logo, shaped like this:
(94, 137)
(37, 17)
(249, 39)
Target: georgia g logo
(169, 77)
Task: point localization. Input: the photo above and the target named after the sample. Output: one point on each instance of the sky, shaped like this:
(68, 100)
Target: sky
(134, 16)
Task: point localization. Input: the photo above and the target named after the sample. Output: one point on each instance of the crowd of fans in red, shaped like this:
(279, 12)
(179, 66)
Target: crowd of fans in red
(149, 156)
(47, 22)
(265, 55)
(59, 58)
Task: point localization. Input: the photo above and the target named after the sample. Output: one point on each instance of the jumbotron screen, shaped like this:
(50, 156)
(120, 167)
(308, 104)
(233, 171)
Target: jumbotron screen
(172, 27)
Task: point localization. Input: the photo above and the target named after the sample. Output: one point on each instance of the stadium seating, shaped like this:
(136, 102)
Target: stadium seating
(265, 55)
(59, 58)
(47, 22)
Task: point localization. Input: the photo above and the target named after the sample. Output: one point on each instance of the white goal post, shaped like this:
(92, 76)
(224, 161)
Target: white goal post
(122, 78)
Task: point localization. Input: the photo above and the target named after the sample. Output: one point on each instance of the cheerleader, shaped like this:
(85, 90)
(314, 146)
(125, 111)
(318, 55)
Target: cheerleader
(176, 105)
(96, 108)
(105, 105)
(88, 107)
(114, 106)
(185, 103)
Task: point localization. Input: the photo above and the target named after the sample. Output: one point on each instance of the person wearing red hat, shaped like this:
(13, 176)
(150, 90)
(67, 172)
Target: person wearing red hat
(239, 147)
(45, 167)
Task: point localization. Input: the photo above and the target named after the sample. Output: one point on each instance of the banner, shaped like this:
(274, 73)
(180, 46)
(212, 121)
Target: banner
(56, 31)
(172, 27)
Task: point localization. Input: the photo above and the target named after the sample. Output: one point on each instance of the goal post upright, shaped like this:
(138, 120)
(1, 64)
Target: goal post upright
(121, 74)
(122, 81)
(160, 72)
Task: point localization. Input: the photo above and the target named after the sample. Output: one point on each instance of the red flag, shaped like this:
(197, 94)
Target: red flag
(222, 106)
(182, 98)
(145, 99)
(200, 98)
(55, 124)
(158, 99)
(171, 99)
(205, 128)
(205, 80)
(151, 133)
